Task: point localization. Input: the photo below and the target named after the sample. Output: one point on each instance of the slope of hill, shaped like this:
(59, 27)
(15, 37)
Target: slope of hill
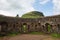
(33, 14)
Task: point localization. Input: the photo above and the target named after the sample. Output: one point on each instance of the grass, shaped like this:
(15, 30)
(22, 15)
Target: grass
(56, 35)
(10, 34)
(13, 33)
(36, 33)
(1, 35)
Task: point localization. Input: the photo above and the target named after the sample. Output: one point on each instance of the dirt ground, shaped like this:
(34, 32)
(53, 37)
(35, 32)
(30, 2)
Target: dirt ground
(29, 37)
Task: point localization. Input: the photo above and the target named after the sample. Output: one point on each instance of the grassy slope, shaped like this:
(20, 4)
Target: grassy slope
(33, 14)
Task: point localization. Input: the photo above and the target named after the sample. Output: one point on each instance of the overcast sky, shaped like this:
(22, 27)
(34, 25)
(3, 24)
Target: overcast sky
(14, 7)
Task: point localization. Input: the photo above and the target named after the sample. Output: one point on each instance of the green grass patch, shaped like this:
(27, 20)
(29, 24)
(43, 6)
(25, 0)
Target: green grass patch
(1, 35)
(36, 33)
(56, 35)
(13, 33)
(10, 34)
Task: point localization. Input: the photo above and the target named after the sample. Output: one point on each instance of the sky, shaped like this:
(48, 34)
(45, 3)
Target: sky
(14, 7)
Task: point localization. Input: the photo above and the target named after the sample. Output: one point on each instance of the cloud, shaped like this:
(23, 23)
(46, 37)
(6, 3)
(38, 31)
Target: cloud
(44, 1)
(56, 8)
(5, 13)
(10, 7)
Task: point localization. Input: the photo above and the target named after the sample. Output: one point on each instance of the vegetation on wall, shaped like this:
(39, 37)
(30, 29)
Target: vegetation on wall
(24, 28)
(49, 28)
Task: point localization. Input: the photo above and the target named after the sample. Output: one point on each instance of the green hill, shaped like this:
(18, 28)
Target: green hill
(33, 14)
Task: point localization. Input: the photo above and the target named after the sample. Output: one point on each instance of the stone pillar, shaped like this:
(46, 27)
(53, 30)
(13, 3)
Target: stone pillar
(43, 28)
(58, 28)
(39, 27)
(8, 28)
(19, 27)
(54, 28)
(0, 28)
(28, 28)
(32, 27)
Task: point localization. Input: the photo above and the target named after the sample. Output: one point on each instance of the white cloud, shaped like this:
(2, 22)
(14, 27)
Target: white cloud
(10, 7)
(5, 13)
(27, 5)
(44, 1)
(56, 8)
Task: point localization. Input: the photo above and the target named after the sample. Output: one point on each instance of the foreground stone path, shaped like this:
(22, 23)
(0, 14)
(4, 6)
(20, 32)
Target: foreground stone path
(29, 37)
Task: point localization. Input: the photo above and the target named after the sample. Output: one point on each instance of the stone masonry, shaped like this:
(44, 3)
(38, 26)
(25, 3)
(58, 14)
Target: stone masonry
(13, 24)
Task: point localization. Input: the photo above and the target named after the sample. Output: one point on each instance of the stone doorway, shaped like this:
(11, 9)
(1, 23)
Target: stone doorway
(58, 28)
(3, 26)
(24, 28)
(48, 27)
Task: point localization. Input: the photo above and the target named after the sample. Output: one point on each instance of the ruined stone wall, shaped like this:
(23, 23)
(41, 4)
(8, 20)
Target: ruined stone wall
(9, 24)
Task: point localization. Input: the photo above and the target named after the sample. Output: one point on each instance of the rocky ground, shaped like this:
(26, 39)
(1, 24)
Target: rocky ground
(29, 37)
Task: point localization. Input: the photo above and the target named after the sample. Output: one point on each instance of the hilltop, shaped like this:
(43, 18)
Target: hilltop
(33, 14)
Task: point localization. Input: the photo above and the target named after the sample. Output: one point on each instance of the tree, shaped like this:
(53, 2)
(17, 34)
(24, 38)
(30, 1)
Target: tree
(17, 15)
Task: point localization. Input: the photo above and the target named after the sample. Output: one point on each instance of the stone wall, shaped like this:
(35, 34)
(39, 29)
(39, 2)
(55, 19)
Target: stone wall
(11, 24)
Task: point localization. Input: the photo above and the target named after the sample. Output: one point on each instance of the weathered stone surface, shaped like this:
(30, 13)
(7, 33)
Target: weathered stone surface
(13, 24)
